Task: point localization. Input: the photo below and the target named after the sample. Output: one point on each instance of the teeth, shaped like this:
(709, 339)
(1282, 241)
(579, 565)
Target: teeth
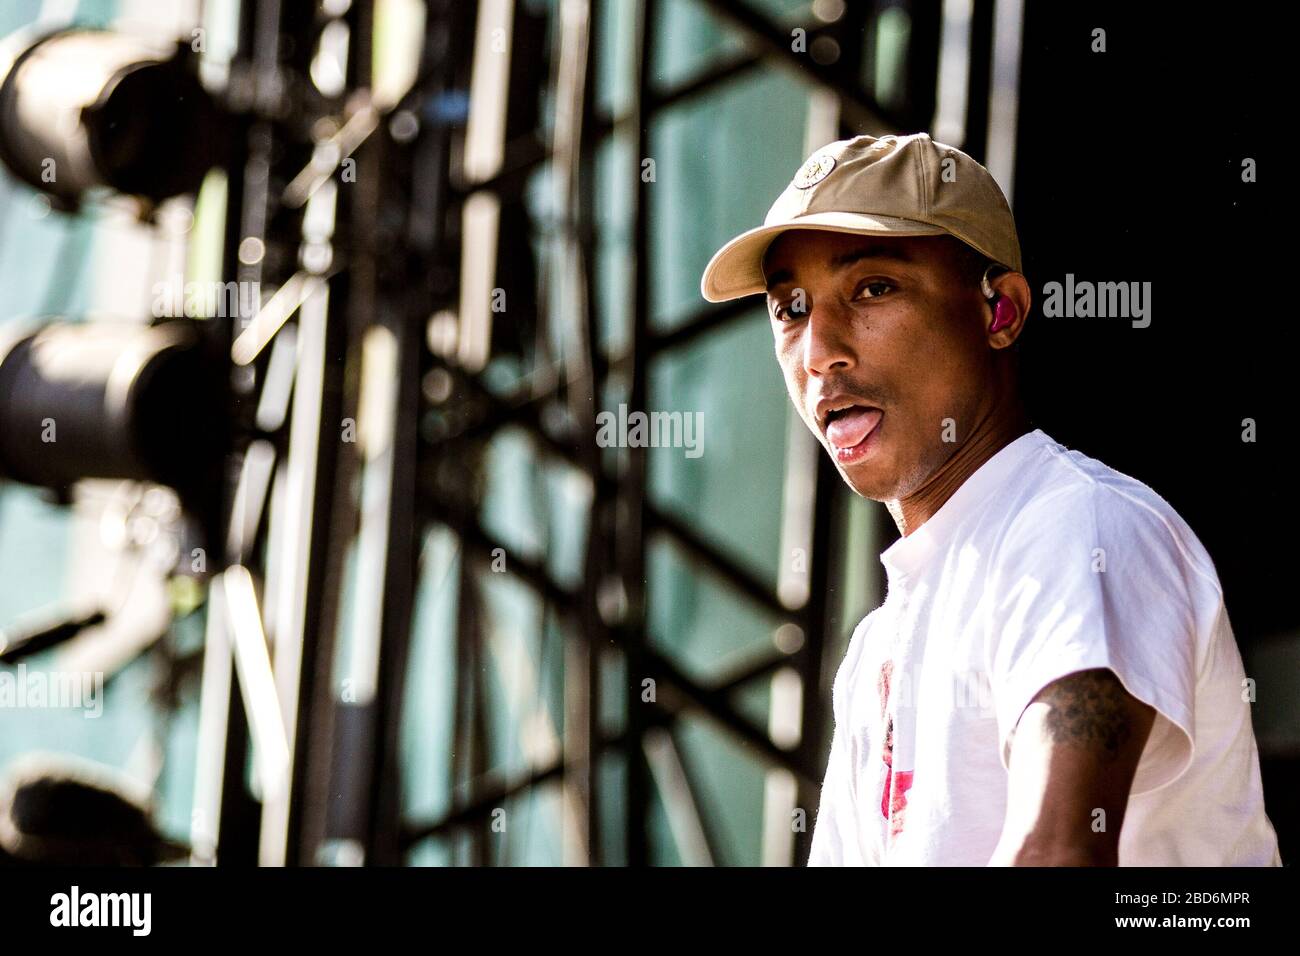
(831, 413)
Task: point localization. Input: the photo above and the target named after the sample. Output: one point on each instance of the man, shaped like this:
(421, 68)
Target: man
(1052, 678)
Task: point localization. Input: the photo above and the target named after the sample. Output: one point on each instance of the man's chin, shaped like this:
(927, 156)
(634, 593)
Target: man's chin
(869, 480)
(870, 492)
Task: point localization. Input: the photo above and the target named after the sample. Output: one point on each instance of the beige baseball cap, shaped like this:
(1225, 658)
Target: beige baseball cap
(875, 186)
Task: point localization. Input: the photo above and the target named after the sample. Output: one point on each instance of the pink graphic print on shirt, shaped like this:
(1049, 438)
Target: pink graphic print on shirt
(897, 782)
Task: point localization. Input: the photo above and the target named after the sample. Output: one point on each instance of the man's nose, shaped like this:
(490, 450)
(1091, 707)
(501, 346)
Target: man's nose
(827, 344)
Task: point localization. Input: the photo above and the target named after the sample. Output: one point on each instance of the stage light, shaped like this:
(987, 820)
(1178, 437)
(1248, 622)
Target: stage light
(61, 810)
(115, 400)
(82, 108)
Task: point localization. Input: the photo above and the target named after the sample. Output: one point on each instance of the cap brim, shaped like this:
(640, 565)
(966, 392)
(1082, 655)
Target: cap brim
(737, 268)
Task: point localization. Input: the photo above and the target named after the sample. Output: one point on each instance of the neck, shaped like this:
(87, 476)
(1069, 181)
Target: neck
(989, 437)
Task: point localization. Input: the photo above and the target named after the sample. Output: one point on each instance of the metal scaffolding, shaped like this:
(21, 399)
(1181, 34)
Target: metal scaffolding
(402, 238)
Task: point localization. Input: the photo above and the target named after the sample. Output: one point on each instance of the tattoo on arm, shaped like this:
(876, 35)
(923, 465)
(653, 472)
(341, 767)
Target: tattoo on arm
(1089, 709)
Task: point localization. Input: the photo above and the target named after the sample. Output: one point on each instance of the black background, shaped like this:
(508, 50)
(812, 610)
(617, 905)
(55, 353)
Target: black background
(1129, 168)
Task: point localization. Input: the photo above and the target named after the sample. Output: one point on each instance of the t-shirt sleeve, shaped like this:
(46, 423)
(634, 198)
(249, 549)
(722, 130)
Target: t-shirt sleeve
(1089, 578)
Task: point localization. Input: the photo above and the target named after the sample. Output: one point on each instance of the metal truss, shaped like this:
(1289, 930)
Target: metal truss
(400, 243)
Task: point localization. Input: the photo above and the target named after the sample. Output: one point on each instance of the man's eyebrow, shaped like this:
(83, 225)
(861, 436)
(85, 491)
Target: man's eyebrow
(845, 259)
(873, 250)
(778, 277)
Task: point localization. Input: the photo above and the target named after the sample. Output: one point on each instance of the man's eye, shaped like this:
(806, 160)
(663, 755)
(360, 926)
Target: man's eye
(783, 313)
(874, 289)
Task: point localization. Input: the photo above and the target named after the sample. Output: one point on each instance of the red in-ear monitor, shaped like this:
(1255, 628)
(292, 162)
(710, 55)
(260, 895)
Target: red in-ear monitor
(1004, 310)
(1004, 313)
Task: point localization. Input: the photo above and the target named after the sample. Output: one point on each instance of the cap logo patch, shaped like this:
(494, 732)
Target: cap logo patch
(814, 171)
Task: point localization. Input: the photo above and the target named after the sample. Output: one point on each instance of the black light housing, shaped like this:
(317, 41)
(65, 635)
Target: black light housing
(84, 108)
(116, 400)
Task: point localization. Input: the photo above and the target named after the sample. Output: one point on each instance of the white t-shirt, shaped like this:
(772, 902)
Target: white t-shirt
(1043, 563)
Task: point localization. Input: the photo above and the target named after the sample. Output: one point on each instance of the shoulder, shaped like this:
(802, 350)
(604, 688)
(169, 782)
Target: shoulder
(1082, 508)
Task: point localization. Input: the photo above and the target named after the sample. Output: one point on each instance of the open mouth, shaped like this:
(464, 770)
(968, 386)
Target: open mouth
(851, 430)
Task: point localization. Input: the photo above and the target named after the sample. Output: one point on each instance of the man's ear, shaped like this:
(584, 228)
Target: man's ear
(1014, 287)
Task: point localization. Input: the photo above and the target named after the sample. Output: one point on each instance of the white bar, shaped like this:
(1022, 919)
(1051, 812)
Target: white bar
(210, 759)
(780, 789)
(292, 532)
(679, 807)
(480, 223)
(954, 73)
(376, 423)
(261, 703)
(485, 130)
(1004, 92)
